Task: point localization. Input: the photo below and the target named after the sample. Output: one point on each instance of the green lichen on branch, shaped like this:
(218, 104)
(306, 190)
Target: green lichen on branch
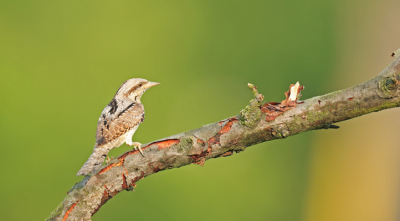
(185, 143)
(365, 110)
(250, 116)
(388, 87)
(57, 212)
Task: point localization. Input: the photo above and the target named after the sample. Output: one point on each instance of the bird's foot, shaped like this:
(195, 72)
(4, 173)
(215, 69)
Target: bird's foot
(138, 146)
(109, 159)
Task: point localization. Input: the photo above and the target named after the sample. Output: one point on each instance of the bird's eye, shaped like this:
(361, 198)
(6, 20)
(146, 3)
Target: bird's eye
(140, 84)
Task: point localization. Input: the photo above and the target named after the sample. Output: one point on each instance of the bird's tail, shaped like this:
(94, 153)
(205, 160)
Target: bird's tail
(94, 162)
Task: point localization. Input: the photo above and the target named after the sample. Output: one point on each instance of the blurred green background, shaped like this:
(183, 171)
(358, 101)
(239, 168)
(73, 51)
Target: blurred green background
(62, 61)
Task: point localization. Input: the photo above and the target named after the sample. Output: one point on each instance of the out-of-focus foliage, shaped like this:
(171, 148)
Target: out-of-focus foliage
(62, 61)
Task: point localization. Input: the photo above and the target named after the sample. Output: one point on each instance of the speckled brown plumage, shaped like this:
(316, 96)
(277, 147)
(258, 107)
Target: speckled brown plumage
(118, 122)
(109, 128)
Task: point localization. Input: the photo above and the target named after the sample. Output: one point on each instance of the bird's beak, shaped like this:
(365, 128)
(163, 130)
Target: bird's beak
(151, 84)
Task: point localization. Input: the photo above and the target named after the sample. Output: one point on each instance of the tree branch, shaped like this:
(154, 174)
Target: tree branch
(255, 124)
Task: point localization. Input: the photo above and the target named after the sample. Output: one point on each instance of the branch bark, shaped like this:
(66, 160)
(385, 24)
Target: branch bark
(255, 124)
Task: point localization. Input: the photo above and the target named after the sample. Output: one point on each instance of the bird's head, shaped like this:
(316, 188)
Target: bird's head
(134, 88)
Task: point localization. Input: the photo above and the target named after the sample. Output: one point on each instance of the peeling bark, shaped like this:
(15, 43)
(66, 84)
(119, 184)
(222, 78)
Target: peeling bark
(255, 124)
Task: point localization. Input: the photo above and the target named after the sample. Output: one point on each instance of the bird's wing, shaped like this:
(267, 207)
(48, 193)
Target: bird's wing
(118, 118)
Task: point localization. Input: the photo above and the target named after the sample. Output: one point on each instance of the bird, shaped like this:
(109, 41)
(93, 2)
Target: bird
(118, 122)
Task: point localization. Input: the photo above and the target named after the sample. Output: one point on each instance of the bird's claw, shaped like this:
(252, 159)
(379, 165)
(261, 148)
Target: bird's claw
(109, 159)
(138, 146)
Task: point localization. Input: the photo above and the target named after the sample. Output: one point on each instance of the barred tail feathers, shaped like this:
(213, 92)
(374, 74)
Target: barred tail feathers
(94, 162)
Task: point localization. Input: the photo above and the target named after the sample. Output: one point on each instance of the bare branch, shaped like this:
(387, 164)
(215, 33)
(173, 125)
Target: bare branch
(255, 124)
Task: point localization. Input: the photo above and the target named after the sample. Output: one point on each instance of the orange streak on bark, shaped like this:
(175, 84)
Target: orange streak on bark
(67, 213)
(213, 140)
(228, 125)
(107, 168)
(126, 171)
(166, 143)
(135, 151)
(201, 158)
(201, 142)
(161, 145)
(124, 183)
